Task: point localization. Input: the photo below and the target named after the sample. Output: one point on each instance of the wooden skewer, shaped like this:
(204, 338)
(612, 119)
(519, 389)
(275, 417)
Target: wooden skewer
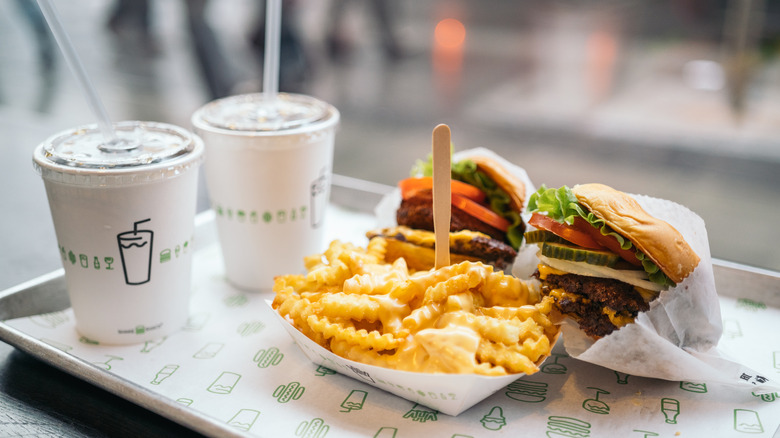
(442, 196)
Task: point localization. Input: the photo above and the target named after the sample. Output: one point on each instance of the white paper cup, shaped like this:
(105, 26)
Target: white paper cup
(268, 175)
(123, 215)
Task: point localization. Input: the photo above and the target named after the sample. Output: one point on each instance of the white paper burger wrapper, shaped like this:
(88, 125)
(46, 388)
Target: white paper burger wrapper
(450, 394)
(677, 339)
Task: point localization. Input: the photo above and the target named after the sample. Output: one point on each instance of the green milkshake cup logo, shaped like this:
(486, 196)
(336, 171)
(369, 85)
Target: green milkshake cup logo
(244, 419)
(747, 421)
(354, 401)
(135, 250)
(225, 383)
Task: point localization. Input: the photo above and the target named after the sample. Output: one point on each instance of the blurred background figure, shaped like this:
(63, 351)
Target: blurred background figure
(45, 50)
(294, 62)
(131, 23)
(340, 42)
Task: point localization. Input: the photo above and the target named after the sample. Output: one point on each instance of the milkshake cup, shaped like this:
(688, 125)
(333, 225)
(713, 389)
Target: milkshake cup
(268, 176)
(121, 206)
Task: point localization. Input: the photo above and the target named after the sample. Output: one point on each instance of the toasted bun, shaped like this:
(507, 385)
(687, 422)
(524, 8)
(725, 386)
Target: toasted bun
(508, 182)
(661, 242)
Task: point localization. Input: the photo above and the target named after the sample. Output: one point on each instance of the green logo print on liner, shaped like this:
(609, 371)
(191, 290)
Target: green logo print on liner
(322, 371)
(567, 427)
(421, 413)
(315, 428)
(236, 300)
(185, 401)
(768, 397)
(554, 367)
(244, 419)
(354, 401)
(753, 306)
(594, 404)
(209, 351)
(386, 432)
(151, 345)
(86, 340)
(50, 320)
(699, 388)
(494, 420)
(622, 378)
(105, 364)
(225, 383)
(196, 322)
(250, 328)
(647, 434)
(290, 391)
(164, 373)
(671, 409)
(269, 357)
(527, 391)
(732, 329)
(747, 421)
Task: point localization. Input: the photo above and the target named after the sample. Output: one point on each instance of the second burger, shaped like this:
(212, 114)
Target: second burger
(486, 225)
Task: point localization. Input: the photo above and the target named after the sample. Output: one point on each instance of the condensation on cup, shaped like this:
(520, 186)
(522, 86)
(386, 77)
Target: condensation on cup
(268, 175)
(120, 210)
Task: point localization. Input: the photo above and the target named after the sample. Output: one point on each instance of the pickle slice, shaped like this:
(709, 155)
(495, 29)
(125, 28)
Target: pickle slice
(538, 236)
(576, 254)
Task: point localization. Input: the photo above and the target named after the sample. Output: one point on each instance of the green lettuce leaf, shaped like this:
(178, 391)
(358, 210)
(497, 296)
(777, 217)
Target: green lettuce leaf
(498, 200)
(561, 205)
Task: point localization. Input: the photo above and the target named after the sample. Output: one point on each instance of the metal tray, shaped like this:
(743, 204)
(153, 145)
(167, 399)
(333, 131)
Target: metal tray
(47, 294)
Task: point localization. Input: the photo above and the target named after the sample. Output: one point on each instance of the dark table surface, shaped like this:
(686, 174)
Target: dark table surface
(37, 399)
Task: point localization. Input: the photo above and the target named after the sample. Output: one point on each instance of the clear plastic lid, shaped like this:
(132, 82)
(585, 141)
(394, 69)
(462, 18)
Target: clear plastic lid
(259, 113)
(141, 152)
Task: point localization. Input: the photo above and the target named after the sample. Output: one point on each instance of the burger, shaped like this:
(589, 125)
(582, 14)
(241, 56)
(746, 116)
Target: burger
(602, 257)
(486, 224)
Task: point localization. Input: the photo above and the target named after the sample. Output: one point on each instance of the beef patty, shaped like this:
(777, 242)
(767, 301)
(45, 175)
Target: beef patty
(417, 212)
(600, 293)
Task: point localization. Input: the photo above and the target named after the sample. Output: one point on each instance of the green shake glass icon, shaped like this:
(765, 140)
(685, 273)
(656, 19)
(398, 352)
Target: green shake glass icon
(135, 249)
(354, 401)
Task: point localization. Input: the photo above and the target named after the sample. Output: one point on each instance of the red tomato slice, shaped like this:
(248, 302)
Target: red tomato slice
(480, 212)
(570, 233)
(409, 186)
(609, 242)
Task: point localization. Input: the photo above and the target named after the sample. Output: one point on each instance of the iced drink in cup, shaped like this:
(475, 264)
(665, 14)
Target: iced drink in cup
(268, 175)
(119, 209)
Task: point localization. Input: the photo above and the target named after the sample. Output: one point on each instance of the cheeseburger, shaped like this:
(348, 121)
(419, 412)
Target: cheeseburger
(602, 257)
(486, 224)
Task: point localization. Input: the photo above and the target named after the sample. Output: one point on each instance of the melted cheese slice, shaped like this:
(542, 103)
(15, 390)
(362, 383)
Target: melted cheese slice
(632, 277)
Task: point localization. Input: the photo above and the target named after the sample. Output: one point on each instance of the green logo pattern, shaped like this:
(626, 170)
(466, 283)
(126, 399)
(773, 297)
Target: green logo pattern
(251, 376)
(252, 217)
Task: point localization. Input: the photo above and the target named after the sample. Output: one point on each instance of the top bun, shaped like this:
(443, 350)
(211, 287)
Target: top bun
(661, 242)
(512, 185)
